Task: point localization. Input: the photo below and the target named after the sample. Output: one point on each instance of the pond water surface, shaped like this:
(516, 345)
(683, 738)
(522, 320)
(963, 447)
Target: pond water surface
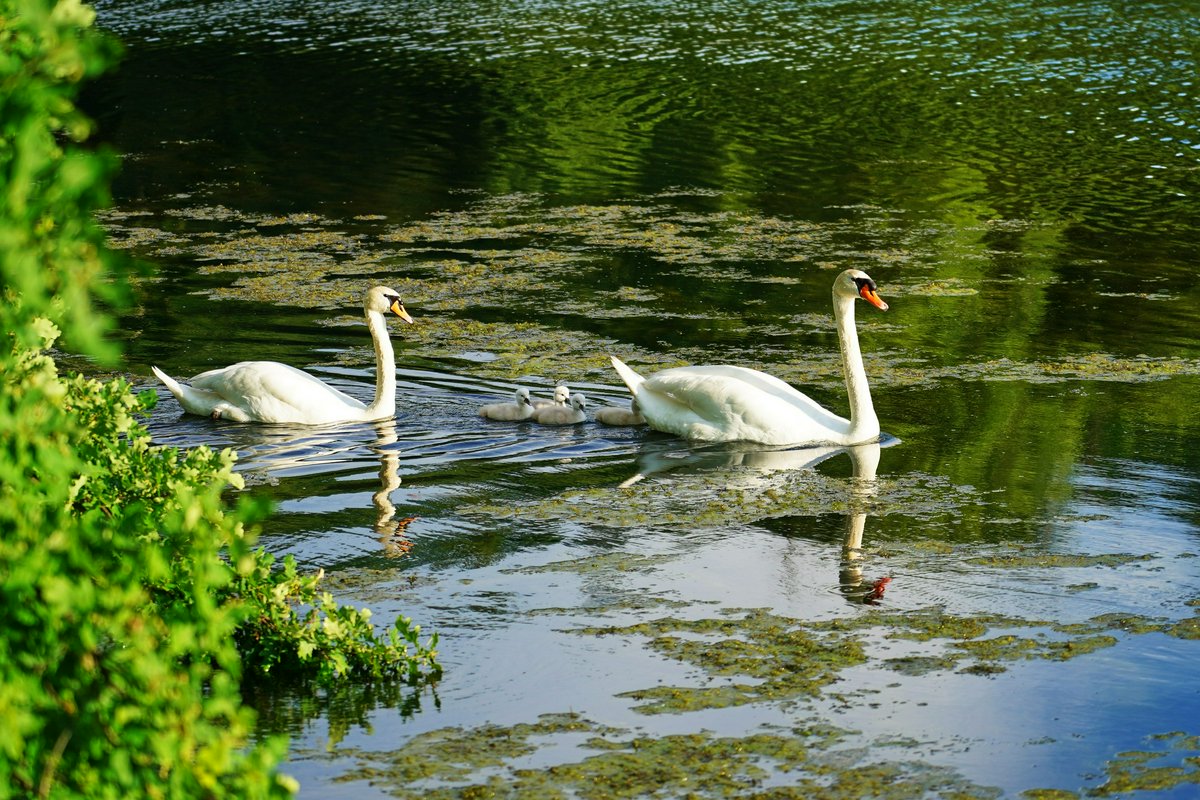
(625, 614)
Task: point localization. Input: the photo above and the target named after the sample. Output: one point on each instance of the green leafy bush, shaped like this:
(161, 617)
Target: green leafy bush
(52, 249)
(118, 672)
(329, 641)
(127, 582)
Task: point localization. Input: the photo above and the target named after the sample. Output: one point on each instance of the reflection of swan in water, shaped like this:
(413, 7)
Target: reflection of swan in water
(268, 453)
(720, 456)
(865, 462)
(757, 466)
(391, 531)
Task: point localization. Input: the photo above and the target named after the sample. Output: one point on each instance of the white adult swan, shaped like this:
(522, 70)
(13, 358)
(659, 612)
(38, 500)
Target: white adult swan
(726, 403)
(267, 391)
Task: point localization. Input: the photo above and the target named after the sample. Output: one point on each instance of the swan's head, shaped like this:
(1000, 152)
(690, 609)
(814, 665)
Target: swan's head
(381, 300)
(522, 395)
(856, 283)
(578, 401)
(562, 395)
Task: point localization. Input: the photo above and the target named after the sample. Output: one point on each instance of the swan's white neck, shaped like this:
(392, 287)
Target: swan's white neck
(864, 425)
(385, 368)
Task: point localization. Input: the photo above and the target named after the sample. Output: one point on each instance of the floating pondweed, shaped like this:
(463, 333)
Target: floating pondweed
(756, 656)
(517, 256)
(614, 763)
(1173, 762)
(1058, 559)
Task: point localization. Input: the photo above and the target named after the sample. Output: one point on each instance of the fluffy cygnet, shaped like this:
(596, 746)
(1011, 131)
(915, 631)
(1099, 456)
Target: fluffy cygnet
(562, 415)
(612, 415)
(515, 411)
(562, 396)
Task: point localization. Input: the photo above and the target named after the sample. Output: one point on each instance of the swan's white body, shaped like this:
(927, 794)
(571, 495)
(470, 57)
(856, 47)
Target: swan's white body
(562, 415)
(520, 408)
(267, 391)
(612, 415)
(562, 396)
(726, 403)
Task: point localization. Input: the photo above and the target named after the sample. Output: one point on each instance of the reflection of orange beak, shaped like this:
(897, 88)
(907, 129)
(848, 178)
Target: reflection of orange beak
(871, 297)
(398, 310)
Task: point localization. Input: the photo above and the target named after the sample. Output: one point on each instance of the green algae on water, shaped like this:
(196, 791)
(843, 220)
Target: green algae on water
(718, 489)
(1059, 560)
(772, 658)
(1173, 762)
(602, 564)
(517, 255)
(762, 657)
(806, 762)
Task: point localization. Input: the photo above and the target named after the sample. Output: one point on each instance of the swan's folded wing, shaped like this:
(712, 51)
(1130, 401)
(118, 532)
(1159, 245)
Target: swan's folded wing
(743, 379)
(274, 392)
(731, 403)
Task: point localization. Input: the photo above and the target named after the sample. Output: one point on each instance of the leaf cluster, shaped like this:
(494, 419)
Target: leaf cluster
(327, 641)
(51, 246)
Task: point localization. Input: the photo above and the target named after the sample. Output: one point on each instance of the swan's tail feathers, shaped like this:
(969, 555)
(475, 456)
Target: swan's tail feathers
(631, 378)
(199, 401)
(168, 381)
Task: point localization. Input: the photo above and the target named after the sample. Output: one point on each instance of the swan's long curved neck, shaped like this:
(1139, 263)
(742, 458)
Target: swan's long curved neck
(864, 424)
(385, 366)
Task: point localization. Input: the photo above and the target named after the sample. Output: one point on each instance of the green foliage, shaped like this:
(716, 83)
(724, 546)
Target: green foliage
(123, 630)
(51, 248)
(127, 583)
(328, 641)
(119, 675)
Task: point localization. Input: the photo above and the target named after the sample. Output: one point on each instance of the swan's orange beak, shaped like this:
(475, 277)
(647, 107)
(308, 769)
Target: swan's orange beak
(398, 309)
(867, 292)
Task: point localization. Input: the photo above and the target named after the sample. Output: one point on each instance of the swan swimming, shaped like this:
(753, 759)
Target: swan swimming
(562, 396)
(615, 415)
(267, 391)
(520, 408)
(562, 415)
(726, 403)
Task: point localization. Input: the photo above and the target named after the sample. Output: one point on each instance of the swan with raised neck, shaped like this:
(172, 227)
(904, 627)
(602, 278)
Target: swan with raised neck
(724, 403)
(268, 391)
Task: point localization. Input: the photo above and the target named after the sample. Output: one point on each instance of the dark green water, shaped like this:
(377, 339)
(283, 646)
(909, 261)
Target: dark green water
(548, 183)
